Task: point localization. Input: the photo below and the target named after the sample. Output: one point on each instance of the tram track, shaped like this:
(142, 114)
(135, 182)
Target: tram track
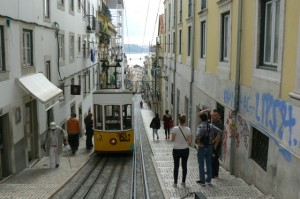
(117, 175)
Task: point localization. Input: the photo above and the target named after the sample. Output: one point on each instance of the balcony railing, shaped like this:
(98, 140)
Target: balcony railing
(105, 10)
(91, 23)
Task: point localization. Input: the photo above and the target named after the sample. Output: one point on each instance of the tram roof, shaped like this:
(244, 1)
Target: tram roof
(113, 91)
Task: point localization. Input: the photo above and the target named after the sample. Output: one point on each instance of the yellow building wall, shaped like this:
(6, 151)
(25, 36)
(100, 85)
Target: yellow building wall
(290, 47)
(247, 43)
(213, 37)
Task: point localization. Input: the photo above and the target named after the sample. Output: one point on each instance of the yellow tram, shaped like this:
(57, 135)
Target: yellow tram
(113, 121)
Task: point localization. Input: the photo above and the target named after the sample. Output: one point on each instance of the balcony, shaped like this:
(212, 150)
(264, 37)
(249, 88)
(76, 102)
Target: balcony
(91, 24)
(105, 11)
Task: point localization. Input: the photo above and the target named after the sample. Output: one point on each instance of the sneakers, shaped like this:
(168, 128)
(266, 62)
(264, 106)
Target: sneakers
(174, 185)
(201, 183)
(209, 183)
(183, 184)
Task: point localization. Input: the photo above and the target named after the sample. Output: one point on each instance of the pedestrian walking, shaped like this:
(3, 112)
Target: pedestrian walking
(204, 139)
(149, 104)
(166, 119)
(54, 139)
(141, 104)
(73, 129)
(89, 131)
(155, 125)
(181, 137)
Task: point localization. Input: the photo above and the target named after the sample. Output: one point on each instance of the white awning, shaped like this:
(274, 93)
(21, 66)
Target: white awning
(41, 89)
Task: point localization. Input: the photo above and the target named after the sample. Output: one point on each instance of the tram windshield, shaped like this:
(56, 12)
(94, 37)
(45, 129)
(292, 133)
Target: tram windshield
(111, 119)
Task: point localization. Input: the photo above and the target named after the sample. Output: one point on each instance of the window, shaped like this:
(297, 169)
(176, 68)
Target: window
(61, 47)
(48, 70)
(270, 33)
(71, 53)
(79, 45)
(203, 39)
(180, 12)
(127, 116)
(174, 42)
(79, 5)
(112, 117)
(260, 147)
(174, 13)
(169, 16)
(47, 9)
(2, 49)
(71, 5)
(169, 44)
(203, 4)
(180, 41)
(189, 41)
(165, 43)
(27, 48)
(98, 117)
(84, 48)
(190, 8)
(225, 37)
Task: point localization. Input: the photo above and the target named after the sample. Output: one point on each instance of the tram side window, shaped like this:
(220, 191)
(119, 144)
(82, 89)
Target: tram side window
(127, 116)
(98, 117)
(112, 117)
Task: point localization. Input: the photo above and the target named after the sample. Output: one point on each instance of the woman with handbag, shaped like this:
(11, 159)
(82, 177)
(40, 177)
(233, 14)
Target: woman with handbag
(181, 137)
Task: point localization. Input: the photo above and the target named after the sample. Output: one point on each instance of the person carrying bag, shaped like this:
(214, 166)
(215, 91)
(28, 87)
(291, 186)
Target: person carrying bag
(182, 138)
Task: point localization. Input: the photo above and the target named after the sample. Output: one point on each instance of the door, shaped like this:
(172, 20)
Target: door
(31, 130)
(4, 146)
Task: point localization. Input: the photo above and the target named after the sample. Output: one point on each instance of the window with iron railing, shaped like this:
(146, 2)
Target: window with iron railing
(260, 147)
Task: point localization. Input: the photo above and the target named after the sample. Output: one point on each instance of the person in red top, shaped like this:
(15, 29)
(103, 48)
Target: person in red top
(73, 129)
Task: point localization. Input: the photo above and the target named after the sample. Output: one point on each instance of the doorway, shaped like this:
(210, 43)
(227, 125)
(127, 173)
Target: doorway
(30, 130)
(4, 146)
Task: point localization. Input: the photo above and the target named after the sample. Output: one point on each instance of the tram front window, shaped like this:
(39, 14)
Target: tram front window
(112, 117)
(98, 117)
(127, 116)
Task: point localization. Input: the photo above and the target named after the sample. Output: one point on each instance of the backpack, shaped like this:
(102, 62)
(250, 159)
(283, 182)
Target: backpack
(205, 139)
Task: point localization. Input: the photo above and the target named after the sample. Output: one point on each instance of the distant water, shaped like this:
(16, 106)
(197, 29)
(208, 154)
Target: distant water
(136, 59)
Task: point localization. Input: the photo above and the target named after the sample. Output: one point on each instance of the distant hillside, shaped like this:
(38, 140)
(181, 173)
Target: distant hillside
(134, 48)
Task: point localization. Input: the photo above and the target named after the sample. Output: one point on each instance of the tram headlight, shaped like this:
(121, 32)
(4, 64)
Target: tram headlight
(99, 137)
(113, 141)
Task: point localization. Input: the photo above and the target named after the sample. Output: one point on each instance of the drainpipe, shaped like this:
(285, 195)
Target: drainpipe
(236, 87)
(175, 63)
(192, 65)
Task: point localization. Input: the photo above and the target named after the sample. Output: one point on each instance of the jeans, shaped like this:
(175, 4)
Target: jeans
(204, 153)
(167, 132)
(155, 133)
(184, 155)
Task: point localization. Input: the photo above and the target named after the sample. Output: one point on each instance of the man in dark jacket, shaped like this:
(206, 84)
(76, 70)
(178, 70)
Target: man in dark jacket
(166, 119)
(89, 132)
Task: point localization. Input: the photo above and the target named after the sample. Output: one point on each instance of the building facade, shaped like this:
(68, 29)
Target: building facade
(242, 58)
(48, 69)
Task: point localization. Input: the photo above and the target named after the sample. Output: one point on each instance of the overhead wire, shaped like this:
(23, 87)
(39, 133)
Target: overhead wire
(128, 44)
(155, 21)
(145, 27)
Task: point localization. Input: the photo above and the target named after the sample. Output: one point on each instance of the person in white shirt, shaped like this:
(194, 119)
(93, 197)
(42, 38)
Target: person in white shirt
(55, 138)
(181, 137)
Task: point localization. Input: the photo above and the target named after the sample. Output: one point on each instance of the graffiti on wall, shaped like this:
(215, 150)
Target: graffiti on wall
(243, 130)
(273, 116)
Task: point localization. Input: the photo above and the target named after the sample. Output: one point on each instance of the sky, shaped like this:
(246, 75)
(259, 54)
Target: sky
(135, 18)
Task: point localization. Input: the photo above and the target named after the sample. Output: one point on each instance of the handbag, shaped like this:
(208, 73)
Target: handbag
(171, 123)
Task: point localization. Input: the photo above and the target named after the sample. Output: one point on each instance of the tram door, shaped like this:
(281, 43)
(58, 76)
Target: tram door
(30, 130)
(4, 144)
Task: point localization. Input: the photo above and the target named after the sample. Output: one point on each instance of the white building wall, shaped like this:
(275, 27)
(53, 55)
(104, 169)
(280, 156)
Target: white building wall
(16, 15)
